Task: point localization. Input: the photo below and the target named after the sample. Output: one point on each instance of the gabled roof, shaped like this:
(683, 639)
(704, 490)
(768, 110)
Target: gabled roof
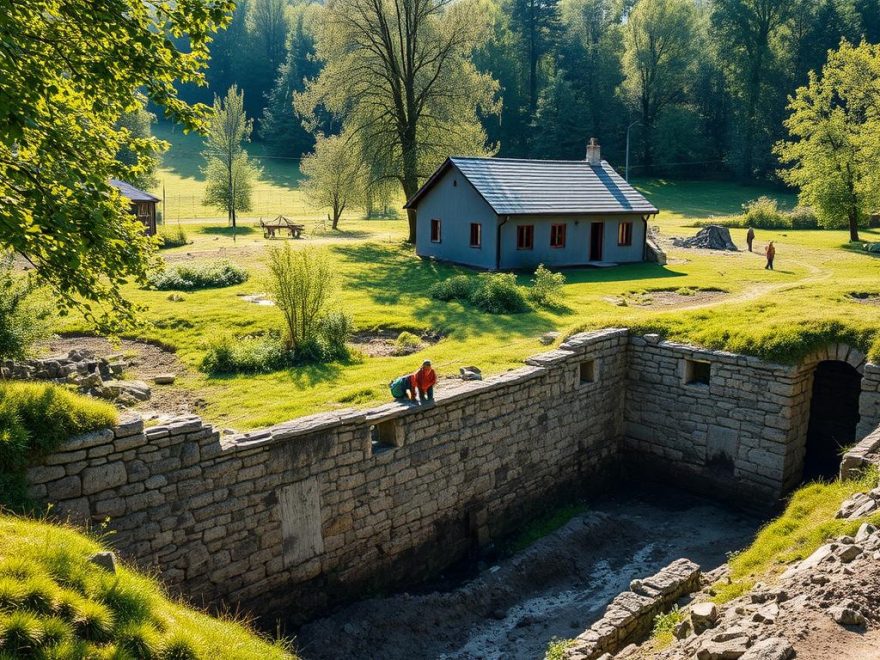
(130, 192)
(513, 186)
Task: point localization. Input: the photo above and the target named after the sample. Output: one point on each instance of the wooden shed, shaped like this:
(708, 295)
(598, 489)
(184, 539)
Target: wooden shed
(143, 204)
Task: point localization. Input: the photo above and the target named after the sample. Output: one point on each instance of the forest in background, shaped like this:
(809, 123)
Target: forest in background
(707, 81)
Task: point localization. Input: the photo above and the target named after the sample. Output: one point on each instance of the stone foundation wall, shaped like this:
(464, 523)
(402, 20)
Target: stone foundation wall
(869, 402)
(740, 434)
(311, 512)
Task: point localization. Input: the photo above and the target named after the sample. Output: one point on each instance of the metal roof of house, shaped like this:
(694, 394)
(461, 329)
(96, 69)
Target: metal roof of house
(524, 187)
(130, 192)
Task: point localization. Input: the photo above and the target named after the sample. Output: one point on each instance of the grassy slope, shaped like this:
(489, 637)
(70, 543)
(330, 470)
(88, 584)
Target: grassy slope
(54, 603)
(383, 285)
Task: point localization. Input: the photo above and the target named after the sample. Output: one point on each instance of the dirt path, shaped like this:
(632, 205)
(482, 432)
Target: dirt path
(555, 588)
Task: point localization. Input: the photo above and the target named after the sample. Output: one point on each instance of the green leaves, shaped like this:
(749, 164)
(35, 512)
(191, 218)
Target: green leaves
(68, 72)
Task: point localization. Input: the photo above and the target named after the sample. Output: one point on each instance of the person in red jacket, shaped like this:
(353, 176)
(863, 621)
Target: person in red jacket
(424, 380)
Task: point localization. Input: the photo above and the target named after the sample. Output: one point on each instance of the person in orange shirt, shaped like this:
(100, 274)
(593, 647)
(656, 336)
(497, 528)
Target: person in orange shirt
(424, 380)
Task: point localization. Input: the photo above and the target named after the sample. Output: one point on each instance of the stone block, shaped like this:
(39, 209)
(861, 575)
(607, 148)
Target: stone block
(103, 477)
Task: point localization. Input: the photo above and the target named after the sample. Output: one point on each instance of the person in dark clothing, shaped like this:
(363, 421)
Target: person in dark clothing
(750, 236)
(771, 255)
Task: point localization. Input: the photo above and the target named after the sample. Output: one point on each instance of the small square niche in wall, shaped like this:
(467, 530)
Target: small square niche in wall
(384, 436)
(697, 372)
(587, 372)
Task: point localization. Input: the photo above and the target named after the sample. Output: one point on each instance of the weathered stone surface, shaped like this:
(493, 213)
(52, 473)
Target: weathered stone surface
(729, 650)
(849, 552)
(164, 379)
(847, 613)
(703, 616)
(106, 560)
(103, 477)
(774, 648)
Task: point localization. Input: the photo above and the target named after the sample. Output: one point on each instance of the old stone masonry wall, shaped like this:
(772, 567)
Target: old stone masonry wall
(329, 506)
(325, 508)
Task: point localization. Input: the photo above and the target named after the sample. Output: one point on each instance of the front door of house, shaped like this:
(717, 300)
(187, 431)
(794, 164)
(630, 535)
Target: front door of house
(597, 238)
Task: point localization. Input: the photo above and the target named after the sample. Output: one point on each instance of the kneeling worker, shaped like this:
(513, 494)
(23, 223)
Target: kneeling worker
(424, 380)
(402, 388)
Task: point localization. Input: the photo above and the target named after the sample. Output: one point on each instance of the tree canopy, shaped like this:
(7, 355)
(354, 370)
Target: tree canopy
(68, 72)
(835, 146)
(399, 75)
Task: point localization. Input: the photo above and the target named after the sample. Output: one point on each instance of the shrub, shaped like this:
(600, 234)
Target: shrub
(664, 626)
(764, 213)
(204, 275)
(335, 330)
(803, 217)
(457, 287)
(406, 343)
(546, 288)
(34, 419)
(172, 237)
(498, 293)
(249, 355)
(300, 282)
(25, 312)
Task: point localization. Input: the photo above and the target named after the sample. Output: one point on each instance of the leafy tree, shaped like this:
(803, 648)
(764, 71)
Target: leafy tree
(835, 130)
(536, 25)
(68, 72)
(300, 283)
(135, 125)
(229, 171)
(335, 176)
(745, 30)
(399, 75)
(25, 312)
(660, 41)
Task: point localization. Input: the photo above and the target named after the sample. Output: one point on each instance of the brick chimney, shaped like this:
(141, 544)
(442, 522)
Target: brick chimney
(594, 152)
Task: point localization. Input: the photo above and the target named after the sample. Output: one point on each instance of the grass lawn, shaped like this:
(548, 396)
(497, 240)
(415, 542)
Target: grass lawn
(777, 315)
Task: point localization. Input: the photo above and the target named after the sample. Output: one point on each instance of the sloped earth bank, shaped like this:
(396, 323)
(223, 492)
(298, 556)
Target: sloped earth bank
(555, 588)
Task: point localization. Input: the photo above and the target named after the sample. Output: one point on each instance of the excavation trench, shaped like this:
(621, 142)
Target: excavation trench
(556, 587)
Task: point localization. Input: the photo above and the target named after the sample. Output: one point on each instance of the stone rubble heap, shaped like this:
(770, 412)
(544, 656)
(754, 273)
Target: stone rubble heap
(96, 376)
(839, 581)
(631, 614)
(711, 237)
(860, 505)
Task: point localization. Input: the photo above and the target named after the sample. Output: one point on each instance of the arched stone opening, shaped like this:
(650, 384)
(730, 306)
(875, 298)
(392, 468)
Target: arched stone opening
(834, 417)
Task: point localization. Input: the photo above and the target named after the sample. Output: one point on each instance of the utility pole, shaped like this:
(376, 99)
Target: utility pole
(628, 128)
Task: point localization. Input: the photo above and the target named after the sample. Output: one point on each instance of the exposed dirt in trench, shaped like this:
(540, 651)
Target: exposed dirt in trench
(555, 588)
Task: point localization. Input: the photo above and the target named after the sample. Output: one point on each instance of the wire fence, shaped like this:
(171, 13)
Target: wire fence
(265, 202)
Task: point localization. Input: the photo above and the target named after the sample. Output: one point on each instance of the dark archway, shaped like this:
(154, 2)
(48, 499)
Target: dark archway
(834, 416)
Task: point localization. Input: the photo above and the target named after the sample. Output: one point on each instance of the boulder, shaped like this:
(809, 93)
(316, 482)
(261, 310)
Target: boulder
(164, 379)
(865, 532)
(470, 373)
(774, 648)
(849, 552)
(846, 613)
(548, 338)
(767, 614)
(703, 616)
(105, 560)
(729, 650)
(133, 389)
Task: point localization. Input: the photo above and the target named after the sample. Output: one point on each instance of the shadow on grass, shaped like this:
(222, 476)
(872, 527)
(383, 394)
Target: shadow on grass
(218, 230)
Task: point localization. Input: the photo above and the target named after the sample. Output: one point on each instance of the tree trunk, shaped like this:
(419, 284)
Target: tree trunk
(533, 62)
(853, 225)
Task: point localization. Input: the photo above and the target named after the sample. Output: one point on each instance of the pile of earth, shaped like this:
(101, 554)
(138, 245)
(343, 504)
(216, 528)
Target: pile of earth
(711, 237)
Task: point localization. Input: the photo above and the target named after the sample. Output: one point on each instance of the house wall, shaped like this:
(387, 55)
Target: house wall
(577, 246)
(456, 203)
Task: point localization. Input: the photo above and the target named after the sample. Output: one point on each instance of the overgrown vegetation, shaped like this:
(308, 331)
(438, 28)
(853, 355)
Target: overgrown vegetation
(198, 275)
(807, 522)
(35, 418)
(171, 237)
(406, 343)
(541, 527)
(26, 313)
(664, 627)
(764, 213)
(556, 648)
(499, 293)
(55, 603)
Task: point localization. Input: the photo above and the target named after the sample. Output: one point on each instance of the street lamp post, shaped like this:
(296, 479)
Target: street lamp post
(628, 128)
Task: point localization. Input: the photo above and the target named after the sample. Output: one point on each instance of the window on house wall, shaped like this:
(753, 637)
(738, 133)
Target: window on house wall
(587, 372)
(557, 236)
(385, 435)
(476, 235)
(525, 237)
(435, 230)
(625, 233)
(697, 372)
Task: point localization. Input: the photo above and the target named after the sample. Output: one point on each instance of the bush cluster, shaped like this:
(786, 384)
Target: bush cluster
(171, 237)
(498, 293)
(25, 312)
(266, 353)
(406, 343)
(764, 213)
(34, 419)
(200, 275)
